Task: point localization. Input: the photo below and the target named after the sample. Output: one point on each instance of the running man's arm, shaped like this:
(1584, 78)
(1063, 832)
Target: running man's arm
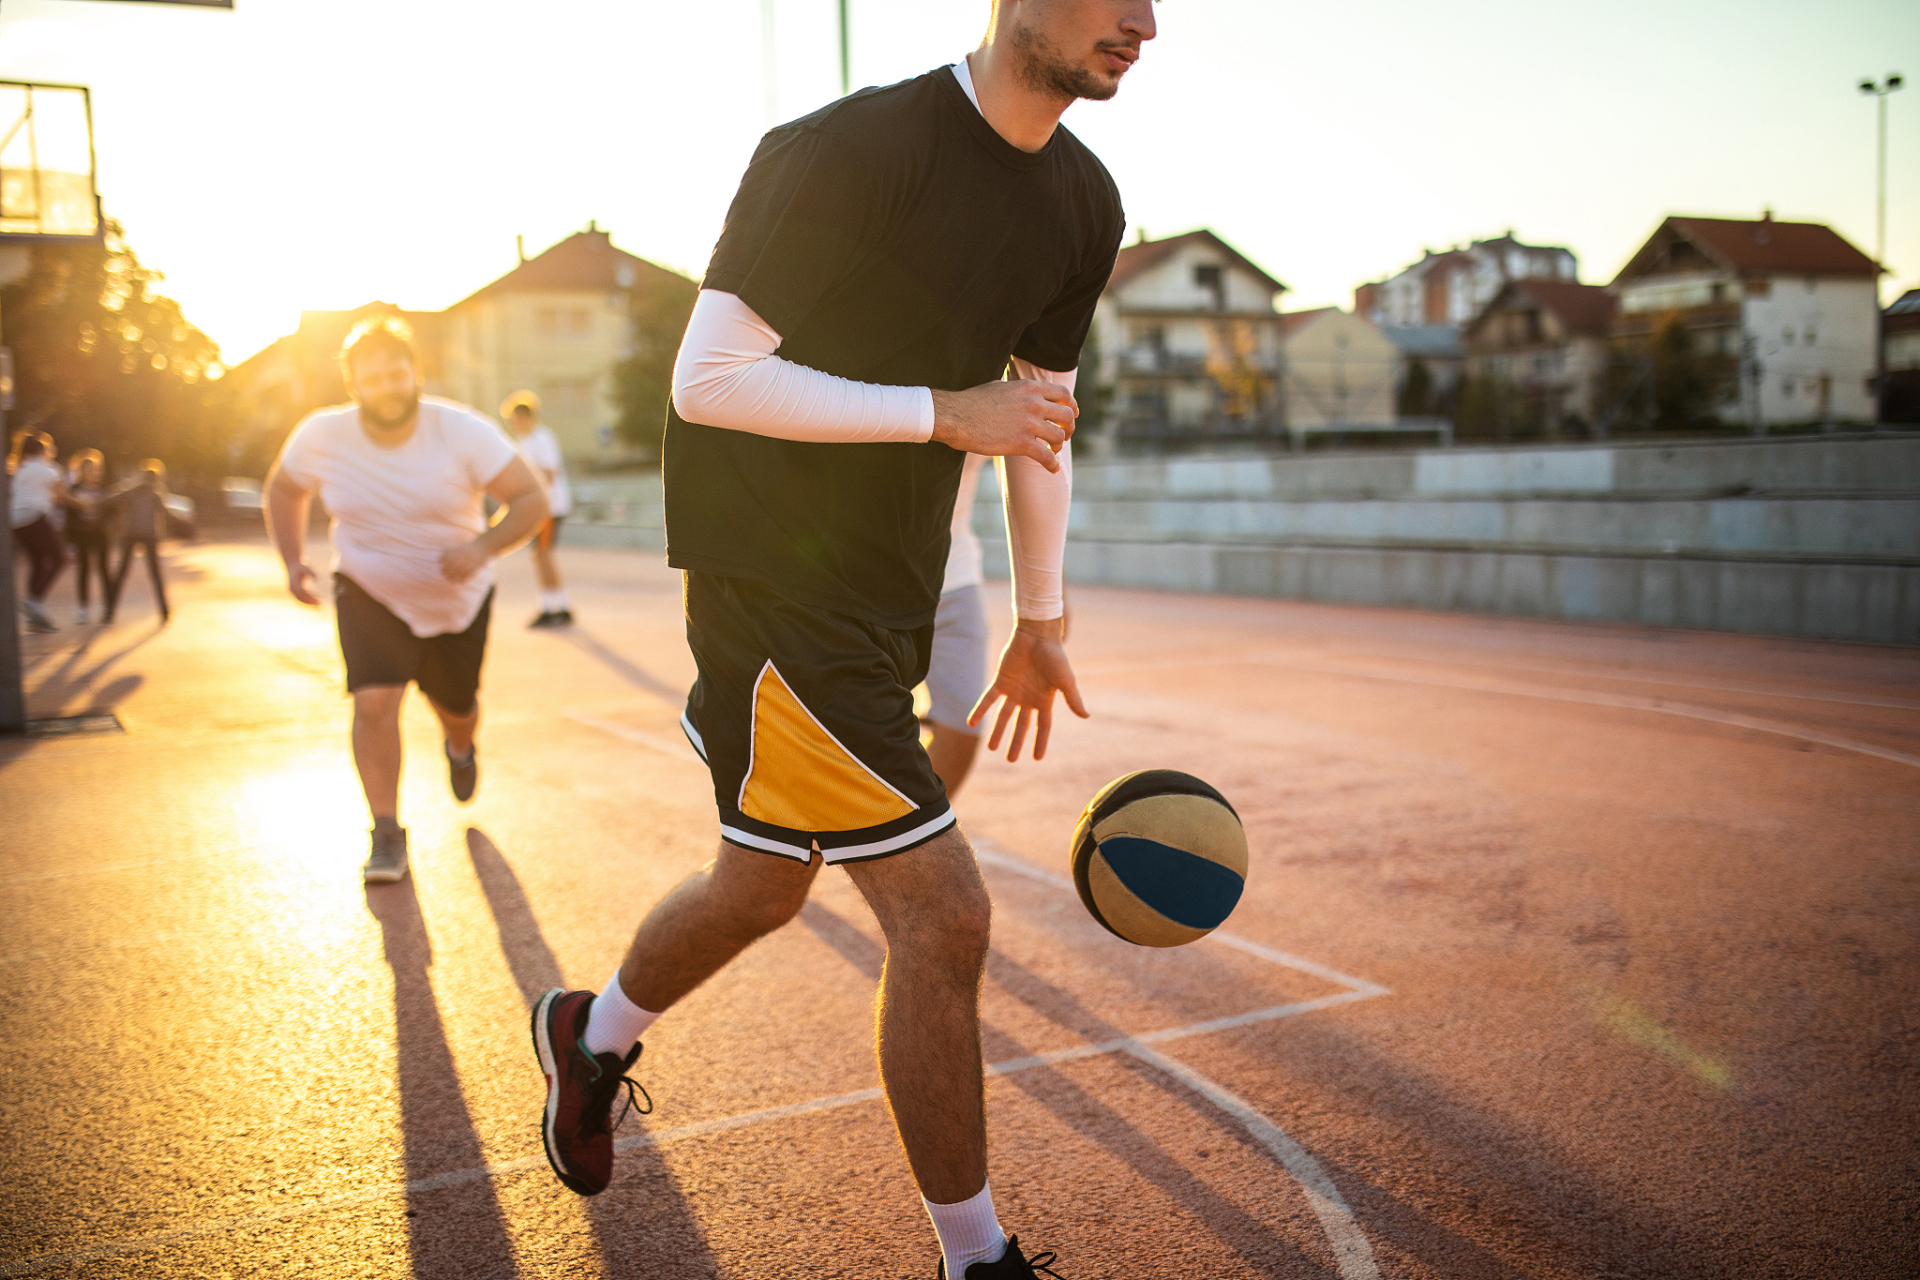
(518, 490)
(286, 505)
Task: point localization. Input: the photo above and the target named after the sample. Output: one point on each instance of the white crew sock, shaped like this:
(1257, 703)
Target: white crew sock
(553, 601)
(615, 1022)
(969, 1232)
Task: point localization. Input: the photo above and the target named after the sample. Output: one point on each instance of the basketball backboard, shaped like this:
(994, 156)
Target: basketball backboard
(46, 163)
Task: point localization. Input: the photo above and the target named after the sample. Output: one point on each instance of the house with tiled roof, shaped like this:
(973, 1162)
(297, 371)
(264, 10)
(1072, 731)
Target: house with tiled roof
(1792, 302)
(1544, 345)
(1188, 332)
(557, 324)
(1451, 287)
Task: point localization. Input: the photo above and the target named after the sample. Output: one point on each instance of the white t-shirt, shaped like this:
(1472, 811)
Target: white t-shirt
(34, 481)
(542, 452)
(963, 558)
(395, 510)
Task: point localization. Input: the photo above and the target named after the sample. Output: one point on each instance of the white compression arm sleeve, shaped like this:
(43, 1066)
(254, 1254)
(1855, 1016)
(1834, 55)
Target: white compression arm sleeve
(1038, 502)
(726, 375)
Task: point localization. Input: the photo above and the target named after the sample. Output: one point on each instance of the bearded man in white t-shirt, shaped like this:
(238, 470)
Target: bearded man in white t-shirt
(405, 479)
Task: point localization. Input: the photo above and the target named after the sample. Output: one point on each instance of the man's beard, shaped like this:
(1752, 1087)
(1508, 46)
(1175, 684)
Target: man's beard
(1042, 67)
(403, 408)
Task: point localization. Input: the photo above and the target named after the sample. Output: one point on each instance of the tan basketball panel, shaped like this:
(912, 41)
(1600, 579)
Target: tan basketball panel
(1131, 918)
(1203, 827)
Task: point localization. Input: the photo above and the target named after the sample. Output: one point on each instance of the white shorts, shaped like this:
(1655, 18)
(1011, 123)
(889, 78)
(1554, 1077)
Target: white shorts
(957, 675)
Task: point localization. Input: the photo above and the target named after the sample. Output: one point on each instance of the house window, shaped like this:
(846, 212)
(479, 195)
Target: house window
(1786, 387)
(1786, 336)
(1809, 335)
(1719, 292)
(564, 324)
(1207, 276)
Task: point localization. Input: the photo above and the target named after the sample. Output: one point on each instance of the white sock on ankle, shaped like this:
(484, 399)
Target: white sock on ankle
(969, 1232)
(615, 1022)
(553, 601)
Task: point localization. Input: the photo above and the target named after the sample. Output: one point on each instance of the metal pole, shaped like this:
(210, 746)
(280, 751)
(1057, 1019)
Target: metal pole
(846, 74)
(1880, 211)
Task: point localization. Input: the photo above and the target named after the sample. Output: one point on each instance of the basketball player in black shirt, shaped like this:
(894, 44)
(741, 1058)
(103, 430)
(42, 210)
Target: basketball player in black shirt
(884, 262)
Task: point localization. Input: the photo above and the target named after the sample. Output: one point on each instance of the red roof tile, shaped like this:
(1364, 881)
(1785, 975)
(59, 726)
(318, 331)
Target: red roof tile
(584, 260)
(1138, 257)
(1757, 246)
(1583, 308)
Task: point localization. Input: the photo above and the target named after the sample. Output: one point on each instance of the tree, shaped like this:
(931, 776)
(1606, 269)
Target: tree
(1688, 385)
(102, 360)
(642, 383)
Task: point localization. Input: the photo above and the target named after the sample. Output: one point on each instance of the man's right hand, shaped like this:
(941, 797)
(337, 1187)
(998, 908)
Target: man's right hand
(1012, 419)
(303, 583)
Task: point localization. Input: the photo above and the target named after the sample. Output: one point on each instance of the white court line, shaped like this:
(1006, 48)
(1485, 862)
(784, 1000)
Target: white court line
(1351, 1252)
(678, 748)
(1623, 701)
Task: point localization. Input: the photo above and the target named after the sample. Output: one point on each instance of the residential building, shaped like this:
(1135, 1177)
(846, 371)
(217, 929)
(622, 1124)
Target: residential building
(1900, 354)
(1450, 287)
(1432, 363)
(558, 324)
(1188, 334)
(1793, 302)
(1340, 372)
(1540, 348)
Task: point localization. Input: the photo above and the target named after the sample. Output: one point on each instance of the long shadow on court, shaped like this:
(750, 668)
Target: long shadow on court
(642, 1224)
(1258, 1245)
(637, 676)
(453, 1231)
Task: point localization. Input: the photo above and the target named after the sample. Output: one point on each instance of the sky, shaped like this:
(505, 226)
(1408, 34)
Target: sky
(319, 154)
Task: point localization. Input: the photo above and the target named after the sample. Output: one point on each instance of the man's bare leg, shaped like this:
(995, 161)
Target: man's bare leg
(457, 730)
(934, 910)
(951, 753)
(376, 746)
(708, 919)
(545, 569)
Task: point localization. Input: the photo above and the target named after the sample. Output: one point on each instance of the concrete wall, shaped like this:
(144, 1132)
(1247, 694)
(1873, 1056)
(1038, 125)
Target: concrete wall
(1815, 537)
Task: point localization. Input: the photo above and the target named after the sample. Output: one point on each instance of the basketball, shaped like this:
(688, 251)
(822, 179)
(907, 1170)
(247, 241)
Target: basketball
(1159, 858)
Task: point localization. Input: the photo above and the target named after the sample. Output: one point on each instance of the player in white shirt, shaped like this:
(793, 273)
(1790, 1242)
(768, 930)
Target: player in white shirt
(537, 444)
(404, 478)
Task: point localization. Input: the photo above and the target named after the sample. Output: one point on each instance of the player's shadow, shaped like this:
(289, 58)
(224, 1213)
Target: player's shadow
(634, 674)
(642, 1224)
(456, 1230)
(1264, 1250)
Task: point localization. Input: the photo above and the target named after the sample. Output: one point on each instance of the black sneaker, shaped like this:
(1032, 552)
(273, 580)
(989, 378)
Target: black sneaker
(578, 1126)
(546, 618)
(1013, 1265)
(564, 618)
(463, 777)
(388, 860)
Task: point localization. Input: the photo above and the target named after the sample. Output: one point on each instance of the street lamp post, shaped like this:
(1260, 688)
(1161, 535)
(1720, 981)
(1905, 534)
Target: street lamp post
(1880, 92)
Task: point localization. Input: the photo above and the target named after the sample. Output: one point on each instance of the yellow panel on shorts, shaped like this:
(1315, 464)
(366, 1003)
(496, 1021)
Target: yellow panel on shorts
(1202, 827)
(801, 778)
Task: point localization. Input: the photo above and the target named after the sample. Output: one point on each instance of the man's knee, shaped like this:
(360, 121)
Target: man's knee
(762, 891)
(377, 703)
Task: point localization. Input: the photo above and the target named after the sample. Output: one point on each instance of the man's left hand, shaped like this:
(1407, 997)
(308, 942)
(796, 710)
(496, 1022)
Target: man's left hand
(1032, 668)
(462, 562)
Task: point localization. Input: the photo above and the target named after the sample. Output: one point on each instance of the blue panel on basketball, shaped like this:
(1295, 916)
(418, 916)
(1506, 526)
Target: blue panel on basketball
(1159, 858)
(1181, 886)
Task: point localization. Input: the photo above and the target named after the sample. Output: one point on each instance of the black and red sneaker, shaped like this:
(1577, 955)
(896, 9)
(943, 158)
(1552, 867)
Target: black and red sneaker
(578, 1126)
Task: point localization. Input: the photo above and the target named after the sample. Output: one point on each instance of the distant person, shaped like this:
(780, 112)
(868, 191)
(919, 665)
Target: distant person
(39, 487)
(406, 478)
(88, 528)
(957, 671)
(142, 508)
(541, 450)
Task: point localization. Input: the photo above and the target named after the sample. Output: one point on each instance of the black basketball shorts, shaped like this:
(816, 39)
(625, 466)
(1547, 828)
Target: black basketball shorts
(382, 650)
(805, 719)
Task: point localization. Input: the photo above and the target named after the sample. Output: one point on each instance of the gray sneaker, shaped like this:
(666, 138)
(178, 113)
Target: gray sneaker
(388, 861)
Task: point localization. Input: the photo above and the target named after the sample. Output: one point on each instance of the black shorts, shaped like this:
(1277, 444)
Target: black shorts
(805, 719)
(382, 650)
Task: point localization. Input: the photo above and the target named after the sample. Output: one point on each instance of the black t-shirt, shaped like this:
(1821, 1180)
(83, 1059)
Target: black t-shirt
(891, 237)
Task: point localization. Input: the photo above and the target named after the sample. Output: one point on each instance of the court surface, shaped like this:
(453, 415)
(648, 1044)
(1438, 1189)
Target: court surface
(1567, 951)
